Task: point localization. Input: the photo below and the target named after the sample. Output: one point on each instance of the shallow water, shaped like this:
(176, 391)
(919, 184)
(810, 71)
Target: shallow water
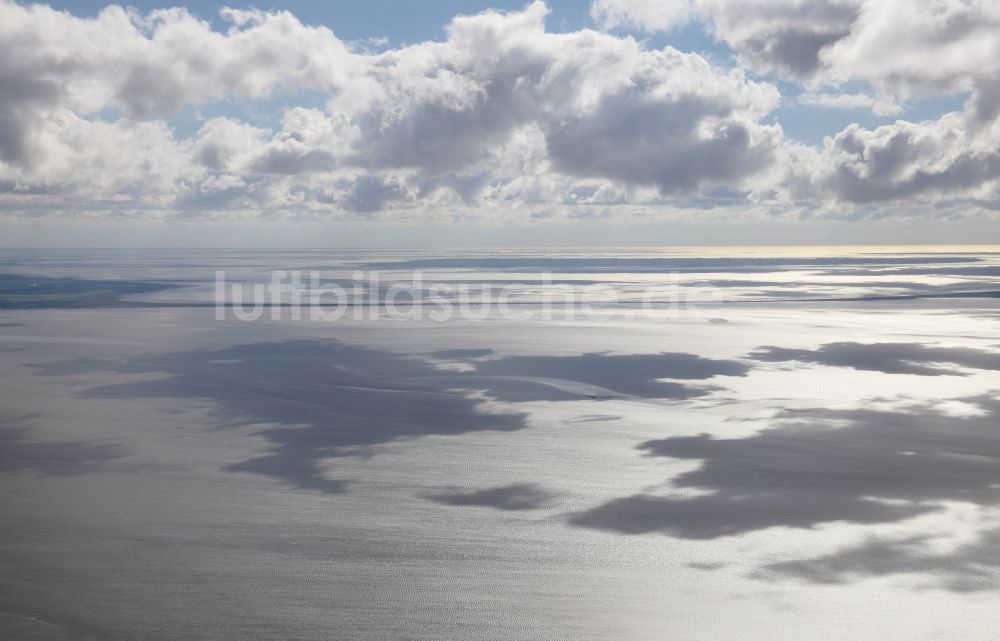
(744, 466)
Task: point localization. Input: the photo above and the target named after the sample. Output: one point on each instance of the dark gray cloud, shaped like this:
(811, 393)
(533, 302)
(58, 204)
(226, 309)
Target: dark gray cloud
(517, 497)
(904, 160)
(817, 466)
(891, 358)
(635, 139)
(793, 51)
(779, 36)
(148, 90)
(371, 193)
(984, 103)
(20, 100)
(292, 161)
(436, 136)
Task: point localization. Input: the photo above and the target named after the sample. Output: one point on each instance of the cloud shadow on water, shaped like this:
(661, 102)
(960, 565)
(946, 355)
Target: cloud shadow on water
(598, 376)
(969, 567)
(818, 466)
(889, 358)
(51, 458)
(516, 497)
(325, 399)
(461, 353)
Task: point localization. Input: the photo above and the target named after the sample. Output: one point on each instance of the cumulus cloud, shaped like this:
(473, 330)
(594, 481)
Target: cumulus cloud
(673, 125)
(371, 193)
(147, 65)
(781, 36)
(776, 36)
(309, 142)
(501, 108)
(500, 115)
(897, 45)
(901, 51)
(957, 154)
(604, 106)
(922, 47)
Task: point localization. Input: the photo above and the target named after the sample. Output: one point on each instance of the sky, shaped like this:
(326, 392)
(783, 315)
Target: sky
(464, 123)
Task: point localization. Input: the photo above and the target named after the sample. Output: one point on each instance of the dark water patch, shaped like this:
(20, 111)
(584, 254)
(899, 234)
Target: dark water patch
(817, 466)
(39, 292)
(325, 399)
(461, 353)
(516, 497)
(18, 453)
(619, 374)
(969, 567)
(889, 358)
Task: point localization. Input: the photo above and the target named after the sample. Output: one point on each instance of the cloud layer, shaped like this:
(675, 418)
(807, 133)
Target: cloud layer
(499, 118)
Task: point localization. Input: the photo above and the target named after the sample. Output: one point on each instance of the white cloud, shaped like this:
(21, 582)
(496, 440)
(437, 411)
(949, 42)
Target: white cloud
(879, 105)
(463, 119)
(902, 50)
(914, 163)
(648, 15)
(500, 116)
(899, 46)
(147, 66)
(937, 46)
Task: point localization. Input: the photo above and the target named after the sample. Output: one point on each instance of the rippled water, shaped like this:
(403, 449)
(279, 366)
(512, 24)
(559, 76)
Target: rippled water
(809, 450)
